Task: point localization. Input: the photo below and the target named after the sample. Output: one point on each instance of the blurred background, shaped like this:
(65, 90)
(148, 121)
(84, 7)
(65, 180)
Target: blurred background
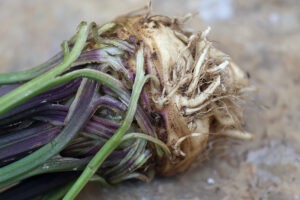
(263, 37)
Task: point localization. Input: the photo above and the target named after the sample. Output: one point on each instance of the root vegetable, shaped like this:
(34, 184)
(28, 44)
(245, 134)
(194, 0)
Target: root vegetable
(136, 96)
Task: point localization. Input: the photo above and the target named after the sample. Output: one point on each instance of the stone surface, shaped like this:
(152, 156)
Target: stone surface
(261, 36)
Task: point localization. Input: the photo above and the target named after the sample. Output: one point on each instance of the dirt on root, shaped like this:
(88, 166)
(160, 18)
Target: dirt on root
(262, 37)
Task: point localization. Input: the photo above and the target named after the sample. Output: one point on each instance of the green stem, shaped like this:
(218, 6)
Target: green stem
(154, 140)
(8, 173)
(15, 77)
(48, 167)
(100, 180)
(116, 139)
(29, 89)
(30, 162)
(105, 79)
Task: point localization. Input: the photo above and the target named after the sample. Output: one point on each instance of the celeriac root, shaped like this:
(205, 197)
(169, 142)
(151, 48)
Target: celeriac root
(199, 91)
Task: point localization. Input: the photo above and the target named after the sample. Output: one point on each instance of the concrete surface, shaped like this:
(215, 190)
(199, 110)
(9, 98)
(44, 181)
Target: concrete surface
(261, 36)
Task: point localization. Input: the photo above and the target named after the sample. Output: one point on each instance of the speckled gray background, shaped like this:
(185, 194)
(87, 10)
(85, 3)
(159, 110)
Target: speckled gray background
(261, 36)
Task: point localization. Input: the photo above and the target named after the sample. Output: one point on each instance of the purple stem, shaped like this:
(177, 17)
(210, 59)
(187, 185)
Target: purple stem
(7, 88)
(44, 108)
(25, 142)
(52, 95)
(105, 122)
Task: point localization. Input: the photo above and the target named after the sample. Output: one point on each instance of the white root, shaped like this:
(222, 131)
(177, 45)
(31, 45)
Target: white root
(197, 72)
(187, 17)
(189, 111)
(190, 40)
(224, 117)
(181, 36)
(181, 82)
(201, 98)
(162, 100)
(205, 32)
(249, 89)
(199, 85)
(202, 46)
(177, 149)
(237, 134)
(174, 74)
(219, 68)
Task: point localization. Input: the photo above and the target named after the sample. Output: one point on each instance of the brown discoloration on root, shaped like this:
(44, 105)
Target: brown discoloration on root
(200, 87)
